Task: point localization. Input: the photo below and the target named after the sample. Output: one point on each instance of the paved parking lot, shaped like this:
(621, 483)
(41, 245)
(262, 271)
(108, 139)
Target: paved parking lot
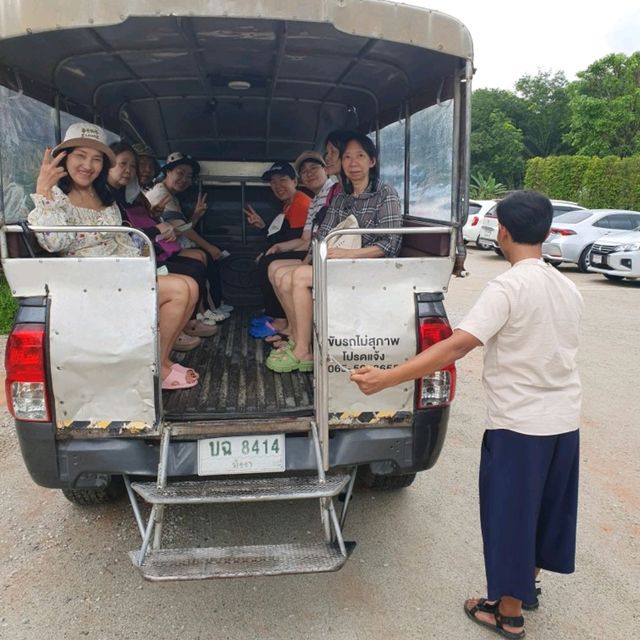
(65, 572)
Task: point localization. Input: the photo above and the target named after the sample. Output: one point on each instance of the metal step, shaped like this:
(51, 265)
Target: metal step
(241, 490)
(238, 562)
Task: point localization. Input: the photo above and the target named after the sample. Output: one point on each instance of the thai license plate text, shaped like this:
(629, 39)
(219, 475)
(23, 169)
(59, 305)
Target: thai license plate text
(241, 454)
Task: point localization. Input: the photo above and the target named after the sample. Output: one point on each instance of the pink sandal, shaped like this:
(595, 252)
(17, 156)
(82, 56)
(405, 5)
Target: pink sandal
(186, 370)
(177, 380)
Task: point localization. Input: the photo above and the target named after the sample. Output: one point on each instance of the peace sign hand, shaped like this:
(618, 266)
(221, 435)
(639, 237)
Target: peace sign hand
(50, 173)
(200, 208)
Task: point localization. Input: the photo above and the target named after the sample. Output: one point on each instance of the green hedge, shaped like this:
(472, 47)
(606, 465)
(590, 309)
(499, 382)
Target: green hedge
(597, 183)
(7, 306)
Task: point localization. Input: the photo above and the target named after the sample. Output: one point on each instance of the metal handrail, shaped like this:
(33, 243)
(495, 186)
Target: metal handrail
(16, 228)
(320, 317)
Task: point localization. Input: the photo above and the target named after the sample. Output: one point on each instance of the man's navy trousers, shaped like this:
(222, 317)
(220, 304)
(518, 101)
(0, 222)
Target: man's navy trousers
(528, 508)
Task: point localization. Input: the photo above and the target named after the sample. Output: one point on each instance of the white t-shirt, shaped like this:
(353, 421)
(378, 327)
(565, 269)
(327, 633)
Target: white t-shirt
(172, 212)
(158, 193)
(528, 321)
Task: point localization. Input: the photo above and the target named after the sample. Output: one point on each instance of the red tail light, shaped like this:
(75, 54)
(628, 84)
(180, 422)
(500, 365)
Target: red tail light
(475, 221)
(439, 388)
(562, 232)
(25, 385)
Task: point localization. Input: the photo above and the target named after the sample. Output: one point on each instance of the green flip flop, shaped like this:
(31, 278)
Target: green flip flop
(286, 362)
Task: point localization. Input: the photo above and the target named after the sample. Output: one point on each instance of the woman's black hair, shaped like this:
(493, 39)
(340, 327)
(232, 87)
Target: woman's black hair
(336, 138)
(121, 146)
(100, 184)
(369, 147)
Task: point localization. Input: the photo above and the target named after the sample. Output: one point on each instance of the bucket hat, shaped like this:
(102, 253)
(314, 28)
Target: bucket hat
(83, 134)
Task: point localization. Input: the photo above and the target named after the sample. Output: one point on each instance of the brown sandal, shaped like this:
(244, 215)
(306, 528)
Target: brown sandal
(200, 329)
(186, 343)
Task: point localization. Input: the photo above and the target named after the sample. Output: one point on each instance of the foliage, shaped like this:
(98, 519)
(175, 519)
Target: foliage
(605, 107)
(7, 306)
(497, 148)
(486, 188)
(560, 177)
(545, 122)
(597, 183)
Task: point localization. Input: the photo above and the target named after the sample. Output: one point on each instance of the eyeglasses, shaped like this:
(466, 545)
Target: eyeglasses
(309, 169)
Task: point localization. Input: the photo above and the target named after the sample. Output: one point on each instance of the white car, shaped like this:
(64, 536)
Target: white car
(572, 234)
(489, 230)
(617, 255)
(477, 212)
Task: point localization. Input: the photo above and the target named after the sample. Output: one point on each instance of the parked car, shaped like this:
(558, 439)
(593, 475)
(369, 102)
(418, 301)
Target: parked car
(477, 211)
(573, 234)
(617, 255)
(489, 230)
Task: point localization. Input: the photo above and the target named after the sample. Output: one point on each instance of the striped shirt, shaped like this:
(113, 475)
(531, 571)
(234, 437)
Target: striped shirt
(380, 208)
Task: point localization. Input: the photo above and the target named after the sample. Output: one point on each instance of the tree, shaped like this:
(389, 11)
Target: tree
(545, 99)
(497, 147)
(605, 107)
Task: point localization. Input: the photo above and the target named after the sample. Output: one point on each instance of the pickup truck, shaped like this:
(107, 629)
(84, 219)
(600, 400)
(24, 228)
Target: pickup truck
(236, 90)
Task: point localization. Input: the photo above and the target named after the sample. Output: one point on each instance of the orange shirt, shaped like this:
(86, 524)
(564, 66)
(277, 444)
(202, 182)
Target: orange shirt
(295, 213)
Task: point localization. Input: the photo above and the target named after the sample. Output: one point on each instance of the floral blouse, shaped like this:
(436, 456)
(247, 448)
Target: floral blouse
(60, 212)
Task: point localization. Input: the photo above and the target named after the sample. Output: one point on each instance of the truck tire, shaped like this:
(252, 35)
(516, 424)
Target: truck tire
(92, 497)
(385, 482)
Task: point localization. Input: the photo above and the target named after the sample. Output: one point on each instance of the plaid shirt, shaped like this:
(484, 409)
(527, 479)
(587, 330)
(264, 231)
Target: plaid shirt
(380, 208)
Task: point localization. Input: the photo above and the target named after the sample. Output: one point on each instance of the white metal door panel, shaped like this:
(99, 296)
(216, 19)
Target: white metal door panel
(372, 321)
(102, 336)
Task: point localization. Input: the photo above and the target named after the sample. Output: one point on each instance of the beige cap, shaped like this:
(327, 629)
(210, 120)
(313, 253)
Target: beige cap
(314, 156)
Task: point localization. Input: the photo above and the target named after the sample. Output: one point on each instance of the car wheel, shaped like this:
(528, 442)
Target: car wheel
(113, 491)
(385, 482)
(585, 259)
(610, 276)
(554, 263)
(498, 252)
(483, 246)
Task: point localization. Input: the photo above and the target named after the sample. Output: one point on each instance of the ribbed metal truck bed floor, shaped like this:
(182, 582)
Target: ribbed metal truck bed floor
(234, 380)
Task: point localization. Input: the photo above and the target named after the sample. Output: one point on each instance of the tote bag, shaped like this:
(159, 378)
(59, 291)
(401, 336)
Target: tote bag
(347, 241)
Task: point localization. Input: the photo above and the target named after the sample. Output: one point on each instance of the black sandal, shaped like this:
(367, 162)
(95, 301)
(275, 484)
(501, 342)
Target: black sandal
(533, 606)
(493, 608)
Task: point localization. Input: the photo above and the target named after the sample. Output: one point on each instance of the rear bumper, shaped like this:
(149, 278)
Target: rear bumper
(78, 462)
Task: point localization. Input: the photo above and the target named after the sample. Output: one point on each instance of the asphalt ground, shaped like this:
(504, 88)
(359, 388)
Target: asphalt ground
(65, 572)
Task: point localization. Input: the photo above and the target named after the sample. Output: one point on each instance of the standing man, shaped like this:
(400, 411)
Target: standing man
(528, 320)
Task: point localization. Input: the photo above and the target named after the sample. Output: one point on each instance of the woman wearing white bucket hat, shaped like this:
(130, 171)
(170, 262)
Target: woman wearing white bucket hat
(71, 189)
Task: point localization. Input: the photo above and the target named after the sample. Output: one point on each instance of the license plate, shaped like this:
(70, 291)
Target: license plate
(241, 454)
(488, 232)
(596, 258)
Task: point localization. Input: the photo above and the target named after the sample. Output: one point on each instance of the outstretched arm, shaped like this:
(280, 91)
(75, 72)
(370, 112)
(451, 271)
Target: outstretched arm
(371, 379)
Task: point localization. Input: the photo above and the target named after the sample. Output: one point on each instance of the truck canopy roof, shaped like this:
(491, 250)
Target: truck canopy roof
(245, 81)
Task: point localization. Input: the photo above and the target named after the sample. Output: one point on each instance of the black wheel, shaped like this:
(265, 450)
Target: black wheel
(385, 483)
(610, 276)
(498, 252)
(90, 497)
(483, 245)
(585, 259)
(554, 263)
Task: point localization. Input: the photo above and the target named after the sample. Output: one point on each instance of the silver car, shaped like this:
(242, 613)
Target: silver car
(617, 255)
(572, 234)
(488, 238)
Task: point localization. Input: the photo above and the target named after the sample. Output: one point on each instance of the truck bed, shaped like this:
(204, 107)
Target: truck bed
(234, 380)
